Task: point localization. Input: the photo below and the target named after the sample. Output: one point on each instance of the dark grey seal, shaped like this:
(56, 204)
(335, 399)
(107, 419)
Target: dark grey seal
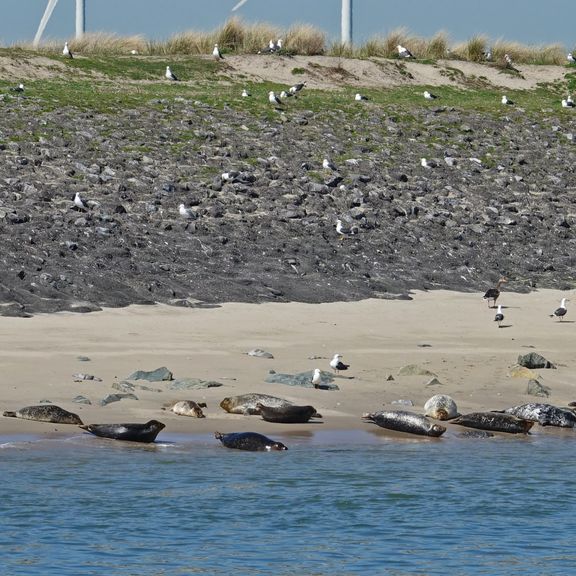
(246, 403)
(45, 413)
(249, 441)
(544, 414)
(288, 414)
(403, 421)
(495, 422)
(131, 432)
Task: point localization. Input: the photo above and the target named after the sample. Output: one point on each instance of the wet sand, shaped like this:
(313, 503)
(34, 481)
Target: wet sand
(451, 334)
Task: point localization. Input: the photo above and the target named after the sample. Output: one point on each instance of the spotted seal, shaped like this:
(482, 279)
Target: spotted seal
(441, 407)
(145, 433)
(287, 414)
(187, 408)
(495, 422)
(403, 421)
(249, 441)
(246, 403)
(544, 414)
(45, 413)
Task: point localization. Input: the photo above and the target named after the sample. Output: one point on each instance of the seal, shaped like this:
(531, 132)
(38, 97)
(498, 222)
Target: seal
(187, 408)
(249, 441)
(495, 422)
(288, 414)
(441, 407)
(544, 414)
(246, 403)
(403, 421)
(45, 413)
(145, 433)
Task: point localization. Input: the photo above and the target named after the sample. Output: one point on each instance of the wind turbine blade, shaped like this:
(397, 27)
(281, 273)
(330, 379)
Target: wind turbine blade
(239, 5)
(44, 21)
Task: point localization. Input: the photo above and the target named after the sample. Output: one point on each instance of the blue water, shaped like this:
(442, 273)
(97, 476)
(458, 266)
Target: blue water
(333, 504)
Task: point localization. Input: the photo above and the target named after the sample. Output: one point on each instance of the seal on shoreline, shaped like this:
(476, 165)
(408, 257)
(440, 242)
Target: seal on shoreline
(544, 414)
(45, 413)
(288, 414)
(495, 422)
(187, 408)
(246, 403)
(403, 421)
(441, 407)
(249, 441)
(131, 432)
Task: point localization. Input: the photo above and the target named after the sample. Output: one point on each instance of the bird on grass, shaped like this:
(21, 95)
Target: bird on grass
(560, 312)
(297, 87)
(66, 51)
(359, 97)
(19, 88)
(245, 93)
(327, 164)
(570, 58)
(429, 95)
(404, 52)
(273, 99)
(499, 316)
(494, 293)
(568, 102)
(170, 75)
(506, 101)
(216, 54)
(337, 365)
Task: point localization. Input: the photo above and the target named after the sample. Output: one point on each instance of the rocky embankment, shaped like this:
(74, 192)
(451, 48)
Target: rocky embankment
(499, 200)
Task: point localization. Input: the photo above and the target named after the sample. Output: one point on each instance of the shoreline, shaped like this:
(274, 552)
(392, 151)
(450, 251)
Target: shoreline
(451, 334)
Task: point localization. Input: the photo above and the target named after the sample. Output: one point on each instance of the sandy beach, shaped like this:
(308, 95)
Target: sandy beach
(451, 334)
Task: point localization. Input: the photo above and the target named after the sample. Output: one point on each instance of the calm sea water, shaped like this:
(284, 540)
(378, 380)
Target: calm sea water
(333, 504)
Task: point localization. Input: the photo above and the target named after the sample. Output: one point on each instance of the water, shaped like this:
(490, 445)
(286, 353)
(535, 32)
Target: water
(333, 504)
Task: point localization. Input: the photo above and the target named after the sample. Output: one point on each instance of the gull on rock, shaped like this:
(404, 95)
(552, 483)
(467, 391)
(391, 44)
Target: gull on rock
(429, 95)
(83, 204)
(499, 316)
(170, 75)
(186, 213)
(428, 163)
(328, 164)
(404, 52)
(344, 229)
(560, 312)
(66, 51)
(337, 365)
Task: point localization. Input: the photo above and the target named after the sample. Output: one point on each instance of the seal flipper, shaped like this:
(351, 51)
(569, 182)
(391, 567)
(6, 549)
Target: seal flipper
(9, 414)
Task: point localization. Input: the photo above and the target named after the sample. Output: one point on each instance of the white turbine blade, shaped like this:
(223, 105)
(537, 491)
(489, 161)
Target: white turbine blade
(44, 21)
(239, 5)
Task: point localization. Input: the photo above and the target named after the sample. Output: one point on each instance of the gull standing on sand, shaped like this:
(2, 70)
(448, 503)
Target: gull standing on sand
(494, 293)
(560, 312)
(170, 75)
(217, 55)
(404, 52)
(429, 95)
(499, 316)
(316, 378)
(273, 99)
(337, 365)
(66, 51)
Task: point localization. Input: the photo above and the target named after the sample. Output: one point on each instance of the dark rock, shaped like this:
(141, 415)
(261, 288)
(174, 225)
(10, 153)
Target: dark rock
(303, 379)
(116, 398)
(533, 360)
(536, 388)
(193, 384)
(158, 375)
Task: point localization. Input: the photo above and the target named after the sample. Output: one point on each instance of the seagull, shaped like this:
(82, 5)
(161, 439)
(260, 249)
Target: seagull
(499, 316)
(273, 99)
(508, 59)
(344, 230)
(297, 87)
(569, 100)
(493, 293)
(570, 58)
(279, 44)
(487, 54)
(567, 103)
(186, 212)
(336, 365)
(429, 95)
(317, 378)
(19, 88)
(134, 52)
(404, 52)
(560, 312)
(360, 97)
(245, 93)
(285, 94)
(66, 51)
(170, 75)
(328, 164)
(216, 53)
(428, 163)
(79, 203)
(271, 46)
(505, 100)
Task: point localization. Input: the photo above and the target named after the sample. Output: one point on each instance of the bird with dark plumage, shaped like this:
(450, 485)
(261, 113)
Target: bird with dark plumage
(499, 316)
(493, 293)
(560, 312)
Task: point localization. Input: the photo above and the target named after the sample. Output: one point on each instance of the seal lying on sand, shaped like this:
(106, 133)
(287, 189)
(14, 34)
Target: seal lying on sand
(403, 421)
(131, 432)
(544, 414)
(246, 403)
(249, 441)
(187, 408)
(441, 407)
(495, 422)
(288, 414)
(46, 413)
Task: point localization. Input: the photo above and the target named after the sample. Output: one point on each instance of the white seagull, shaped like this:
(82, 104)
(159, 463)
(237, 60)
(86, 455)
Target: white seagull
(428, 163)
(360, 97)
(570, 58)
(499, 316)
(66, 51)
(245, 93)
(429, 95)
(328, 164)
(186, 212)
(297, 87)
(317, 378)
(170, 75)
(285, 94)
(560, 312)
(487, 54)
(337, 365)
(404, 52)
(567, 103)
(505, 100)
(273, 99)
(344, 230)
(508, 59)
(79, 203)
(19, 88)
(216, 53)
